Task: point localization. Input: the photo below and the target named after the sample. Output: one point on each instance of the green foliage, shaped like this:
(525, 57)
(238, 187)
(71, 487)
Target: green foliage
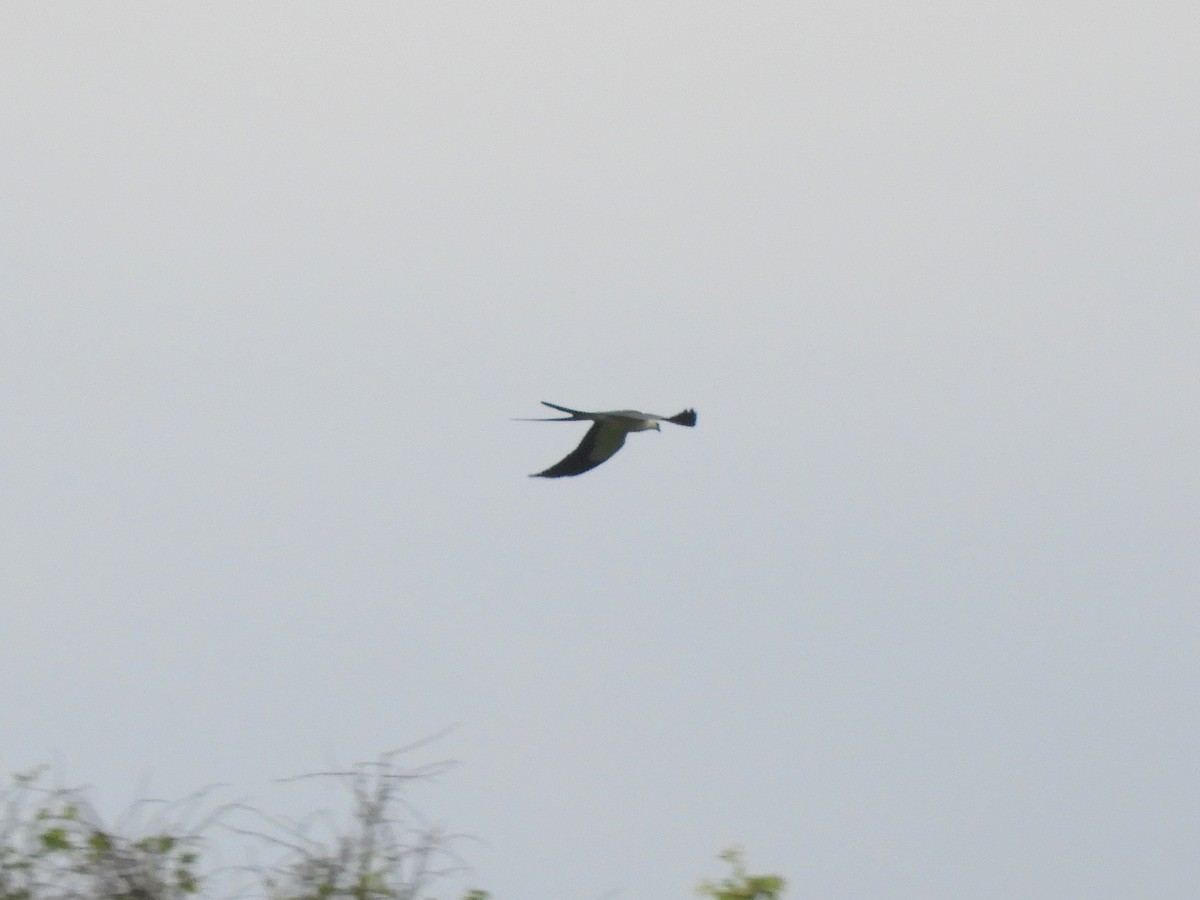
(740, 885)
(55, 839)
(52, 845)
(375, 854)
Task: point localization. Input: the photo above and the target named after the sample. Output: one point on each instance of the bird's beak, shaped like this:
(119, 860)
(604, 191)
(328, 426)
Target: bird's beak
(657, 427)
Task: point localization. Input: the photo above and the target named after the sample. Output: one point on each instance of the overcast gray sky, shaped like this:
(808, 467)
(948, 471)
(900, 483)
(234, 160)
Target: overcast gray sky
(911, 613)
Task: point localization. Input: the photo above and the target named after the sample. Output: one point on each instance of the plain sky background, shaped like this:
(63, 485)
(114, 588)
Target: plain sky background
(913, 612)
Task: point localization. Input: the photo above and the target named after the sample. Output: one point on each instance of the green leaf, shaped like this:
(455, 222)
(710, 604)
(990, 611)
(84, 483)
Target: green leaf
(188, 883)
(56, 839)
(160, 843)
(740, 885)
(100, 842)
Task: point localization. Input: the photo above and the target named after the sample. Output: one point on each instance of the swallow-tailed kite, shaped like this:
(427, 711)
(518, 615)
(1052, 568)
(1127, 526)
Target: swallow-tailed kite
(605, 437)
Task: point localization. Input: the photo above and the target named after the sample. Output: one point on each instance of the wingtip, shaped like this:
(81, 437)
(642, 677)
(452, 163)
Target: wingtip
(687, 417)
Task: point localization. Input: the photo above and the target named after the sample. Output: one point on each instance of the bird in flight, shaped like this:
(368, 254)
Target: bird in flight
(605, 437)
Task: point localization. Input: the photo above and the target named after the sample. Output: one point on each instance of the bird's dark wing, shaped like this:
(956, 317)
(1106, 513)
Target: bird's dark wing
(597, 445)
(687, 417)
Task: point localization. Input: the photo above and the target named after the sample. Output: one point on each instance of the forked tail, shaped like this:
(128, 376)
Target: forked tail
(575, 415)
